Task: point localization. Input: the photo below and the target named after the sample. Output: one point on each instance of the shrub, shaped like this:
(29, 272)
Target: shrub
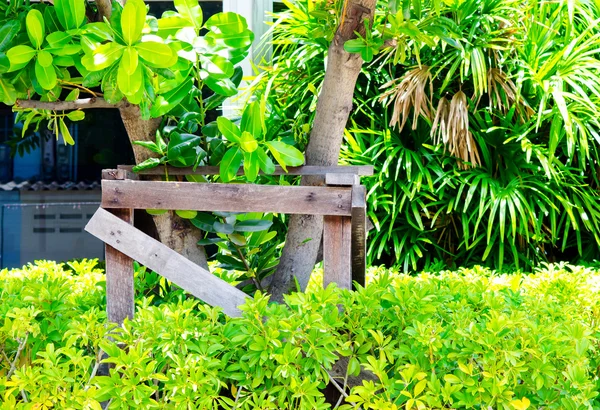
(464, 339)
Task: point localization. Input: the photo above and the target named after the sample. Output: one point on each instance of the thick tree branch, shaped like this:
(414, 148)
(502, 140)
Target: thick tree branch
(104, 9)
(81, 104)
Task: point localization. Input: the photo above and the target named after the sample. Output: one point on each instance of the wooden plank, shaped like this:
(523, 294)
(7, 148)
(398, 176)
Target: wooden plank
(337, 244)
(359, 234)
(363, 170)
(168, 263)
(342, 179)
(227, 197)
(120, 290)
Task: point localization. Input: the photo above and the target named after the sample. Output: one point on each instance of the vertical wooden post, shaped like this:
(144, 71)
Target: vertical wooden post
(337, 244)
(359, 234)
(120, 290)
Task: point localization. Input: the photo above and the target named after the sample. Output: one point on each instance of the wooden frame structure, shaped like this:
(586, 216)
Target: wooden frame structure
(341, 201)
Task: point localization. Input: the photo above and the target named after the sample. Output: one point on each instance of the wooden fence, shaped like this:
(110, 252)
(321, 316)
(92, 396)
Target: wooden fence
(341, 201)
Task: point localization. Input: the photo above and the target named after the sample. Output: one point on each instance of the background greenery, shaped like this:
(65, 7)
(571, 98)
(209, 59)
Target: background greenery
(479, 116)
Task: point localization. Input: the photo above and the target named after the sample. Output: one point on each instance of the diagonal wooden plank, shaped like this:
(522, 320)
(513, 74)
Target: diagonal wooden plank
(313, 200)
(168, 263)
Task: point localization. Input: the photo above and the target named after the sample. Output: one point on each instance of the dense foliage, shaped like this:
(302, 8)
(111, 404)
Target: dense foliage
(466, 339)
(480, 117)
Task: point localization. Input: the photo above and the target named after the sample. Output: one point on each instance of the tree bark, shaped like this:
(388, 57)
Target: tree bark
(333, 109)
(173, 231)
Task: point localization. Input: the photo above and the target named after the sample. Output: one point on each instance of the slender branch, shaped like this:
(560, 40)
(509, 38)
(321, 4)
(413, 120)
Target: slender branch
(335, 384)
(81, 104)
(13, 366)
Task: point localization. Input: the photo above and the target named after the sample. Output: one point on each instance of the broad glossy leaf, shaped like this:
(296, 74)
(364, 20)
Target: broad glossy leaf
(251, 165)
(46, 76)
(4, 63)
(169, 26)
(264, 161)
(8, 94)
(66, 61)
(229, 129)
(133, 18)
(76, 115)
(19, 56)
(190, 10)
(70, 13)
(147, 164)
(156, 212)
(34, 23)
(103, 56)
(183, 148)
(285, 154)
(156, 54)
(221, 227)
(58, 39)
(130, 84)
(98, 31)
(226, 23)
(222, 86)
(8, 32)
(186, 214)
(252, 120)
(230, 164)
(66, 50)
(165, 103)
(216, 66)
(65, 133)
(44, 58)
(129, 60)
(204, 222)
(248, 143)
(253, 225)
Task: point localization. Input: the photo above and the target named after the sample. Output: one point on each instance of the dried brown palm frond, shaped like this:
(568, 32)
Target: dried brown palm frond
(451, 128)
(503, 94)
(408, 93)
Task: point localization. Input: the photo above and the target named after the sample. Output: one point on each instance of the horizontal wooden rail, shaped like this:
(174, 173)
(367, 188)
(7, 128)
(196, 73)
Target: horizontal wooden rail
(362, 170)
(227, 197)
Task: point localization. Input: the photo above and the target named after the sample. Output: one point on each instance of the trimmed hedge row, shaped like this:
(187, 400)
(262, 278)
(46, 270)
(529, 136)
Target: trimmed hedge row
(452, 340)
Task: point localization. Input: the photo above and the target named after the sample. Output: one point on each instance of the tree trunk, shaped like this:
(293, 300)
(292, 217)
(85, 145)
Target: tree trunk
(333, 109)
(173, 231)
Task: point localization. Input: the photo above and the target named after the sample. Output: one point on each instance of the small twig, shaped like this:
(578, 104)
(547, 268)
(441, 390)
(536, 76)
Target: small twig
(336, 384)
(237, 397)
(13, 366)
(94, 370)
(254, 280)
(6, 357)
(24, 396)
(83, 104)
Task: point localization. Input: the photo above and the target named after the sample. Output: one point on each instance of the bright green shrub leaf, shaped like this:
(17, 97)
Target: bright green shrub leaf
(248, 143)
(133, 18)
(190, 10)
(230, 164)
(169, 26)
(19, 56)
(64, 132)
(76, 115)
(251, 165)
(229, 129)
(34, 23)
(70, 13)
(65, 61)
(58, 39)
(231, 29)
(4, 63)
(253, 225)
(150, 145)
(147, 164)
(46, 76)
(129, 83)
(285, 154)
(156, 212)
(8, 94)
(103, 56)
(66, 50)
(98, 31)
(45, 58)
(184, 148)
(216, 66)
(168, 101)
(355, 46)
(264, 161)
(222, 86)
(156, 54)
(186, 214)
(8, 32)
(252, 121)
(129, 60)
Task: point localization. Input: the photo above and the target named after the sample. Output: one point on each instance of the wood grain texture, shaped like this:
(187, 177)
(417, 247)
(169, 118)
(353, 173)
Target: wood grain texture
(363, 170)
(120, 291)
(337, 244)
(168, 263)
(227, 197)
(359, 234)
(342, 179)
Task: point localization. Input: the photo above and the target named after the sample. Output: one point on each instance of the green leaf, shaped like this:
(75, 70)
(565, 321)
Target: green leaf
(20, 56)
(230, 164)
(229, 130)
(64, 132)
(186, 214)
(149, 145)
(252, 120)
(70, 13)
(147, 164)
(4, 63)
(285, 154)
(34, 23)
(204, 222)
(73, 95)
(216, 66)
(231, 29)
(190, 10)
(248, 143)
(165, 103)
(8, 93)
(8, 32)
(129, 83)
(156, 54)
(76, 115)
(129, 60)
(156, 212)
(44, 58)
(169, 26)
(251, 165)
(264, 161)
(223, 86)
(183, 148)
(46, 76)
(355, 46)
(253, 225)
(58, 39)
(103, 56)
(133, 18)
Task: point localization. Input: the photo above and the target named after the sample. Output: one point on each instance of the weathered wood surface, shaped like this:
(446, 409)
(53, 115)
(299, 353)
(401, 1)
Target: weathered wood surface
(174, 267)
(120, 290)
(363, 170)
(342, 179)
(227, 197)
(337, 244)
(359, 234)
